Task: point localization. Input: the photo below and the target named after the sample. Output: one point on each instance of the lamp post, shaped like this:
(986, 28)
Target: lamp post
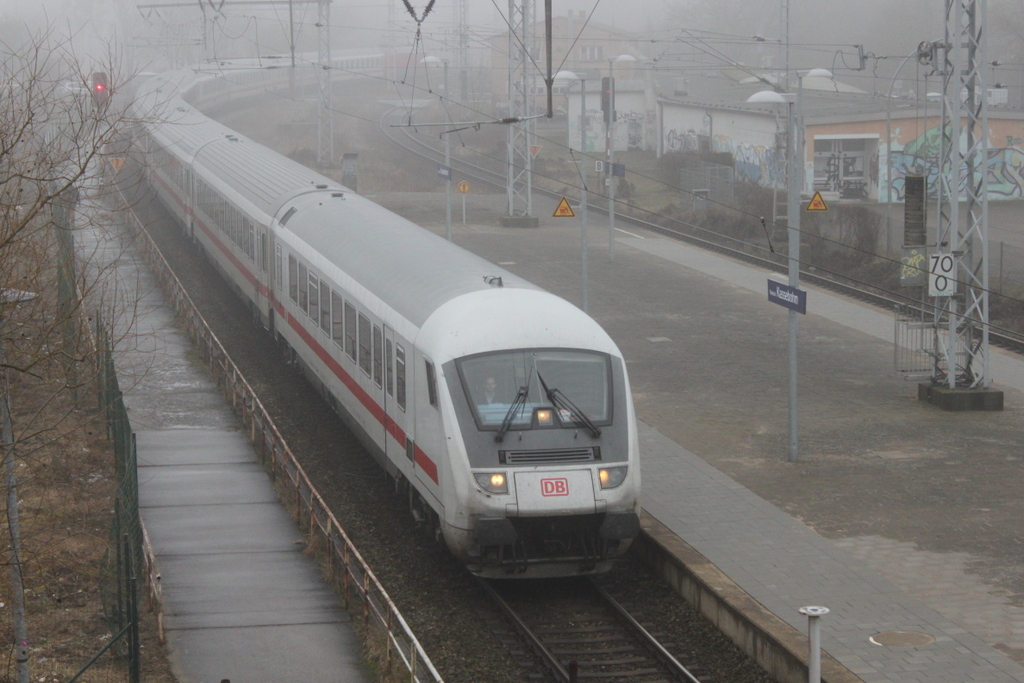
(447, 152)
(794, 184)
(569, 75)
(610, 147)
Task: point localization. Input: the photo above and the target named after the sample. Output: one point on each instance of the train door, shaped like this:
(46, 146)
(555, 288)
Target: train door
(398, 421)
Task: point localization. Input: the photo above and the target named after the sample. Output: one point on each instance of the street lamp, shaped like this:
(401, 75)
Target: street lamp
(447, 152)
(571, 76)
(610, 147)
(794, 184)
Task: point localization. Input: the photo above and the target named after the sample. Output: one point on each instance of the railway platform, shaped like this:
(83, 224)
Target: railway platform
(901, 518)
(241, 600)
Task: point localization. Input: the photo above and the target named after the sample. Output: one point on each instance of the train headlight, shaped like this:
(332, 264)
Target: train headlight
(545, 417)
(492, 482)
(612, 476)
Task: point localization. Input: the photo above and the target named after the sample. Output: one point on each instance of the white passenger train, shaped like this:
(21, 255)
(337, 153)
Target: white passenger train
(502, 410)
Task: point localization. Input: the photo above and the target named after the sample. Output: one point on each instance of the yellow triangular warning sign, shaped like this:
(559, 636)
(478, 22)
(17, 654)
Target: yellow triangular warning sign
(117, 163)
(564, 210)
(817, 203)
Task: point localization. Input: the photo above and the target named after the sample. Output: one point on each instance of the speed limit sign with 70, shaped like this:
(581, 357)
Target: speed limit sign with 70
(941, 275)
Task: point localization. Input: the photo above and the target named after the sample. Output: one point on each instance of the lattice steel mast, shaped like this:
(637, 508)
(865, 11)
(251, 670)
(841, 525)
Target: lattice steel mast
(460, 9)
(325, 119)
(520, 135)
(962, 353)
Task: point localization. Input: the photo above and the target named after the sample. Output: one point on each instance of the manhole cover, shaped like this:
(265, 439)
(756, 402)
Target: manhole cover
(902, 639)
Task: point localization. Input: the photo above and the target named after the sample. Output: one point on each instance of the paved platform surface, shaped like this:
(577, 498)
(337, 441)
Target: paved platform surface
(241, 600)
(898, 516)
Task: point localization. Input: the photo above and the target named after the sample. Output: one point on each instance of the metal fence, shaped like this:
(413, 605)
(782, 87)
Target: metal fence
(345, 568)
(120, 659)
(914, 348)
(1006, 269)
(709, 181)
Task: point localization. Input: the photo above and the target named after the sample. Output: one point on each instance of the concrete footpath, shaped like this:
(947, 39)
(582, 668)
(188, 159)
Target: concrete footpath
(784, 564)
(242, 602)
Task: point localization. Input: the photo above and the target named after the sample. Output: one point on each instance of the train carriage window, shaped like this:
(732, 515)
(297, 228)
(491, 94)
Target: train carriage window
(262, 253)
(293, 278)
(246, 226)
(365, 355)
(378, 356)
(303, 292)
(431, 384)
(337, 320)
(314, 299)
(389, 368)
(400, 375)
(325, 306)
(277, 266)
(350, 331)
(250, 241)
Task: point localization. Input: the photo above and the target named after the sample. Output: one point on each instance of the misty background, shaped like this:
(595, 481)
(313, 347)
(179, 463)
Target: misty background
(683, 35)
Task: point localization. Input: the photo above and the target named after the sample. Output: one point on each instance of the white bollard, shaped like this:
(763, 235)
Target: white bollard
(814, 613)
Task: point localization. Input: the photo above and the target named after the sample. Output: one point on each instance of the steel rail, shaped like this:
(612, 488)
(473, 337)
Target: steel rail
(549, 660)
(645, 636)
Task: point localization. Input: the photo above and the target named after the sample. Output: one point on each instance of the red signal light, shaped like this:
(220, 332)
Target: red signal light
(99, 86)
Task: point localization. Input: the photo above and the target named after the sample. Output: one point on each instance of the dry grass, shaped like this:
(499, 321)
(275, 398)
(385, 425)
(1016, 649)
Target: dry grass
(66, 492)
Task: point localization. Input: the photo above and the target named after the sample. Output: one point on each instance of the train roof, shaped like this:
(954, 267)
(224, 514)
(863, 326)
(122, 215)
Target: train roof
(262, 176)
(411, 269)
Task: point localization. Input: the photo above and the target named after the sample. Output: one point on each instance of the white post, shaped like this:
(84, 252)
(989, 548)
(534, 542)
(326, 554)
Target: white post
(813, 614)
(793, 210)
(583, 190)
(610, 171)
(448, 164)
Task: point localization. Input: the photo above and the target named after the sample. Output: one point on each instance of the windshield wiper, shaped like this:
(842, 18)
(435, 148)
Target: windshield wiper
(517, 403)
(562, 402)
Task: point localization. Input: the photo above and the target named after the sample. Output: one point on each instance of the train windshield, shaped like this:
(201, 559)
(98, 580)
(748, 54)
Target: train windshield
(507, 387)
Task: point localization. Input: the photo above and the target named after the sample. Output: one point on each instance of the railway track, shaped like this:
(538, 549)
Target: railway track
(579, 631)
(889, 301)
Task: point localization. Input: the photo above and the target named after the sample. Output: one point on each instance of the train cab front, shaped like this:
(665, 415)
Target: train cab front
(551, 448)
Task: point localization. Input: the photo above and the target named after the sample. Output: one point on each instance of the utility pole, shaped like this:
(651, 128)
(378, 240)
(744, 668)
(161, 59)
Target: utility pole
(291, 30)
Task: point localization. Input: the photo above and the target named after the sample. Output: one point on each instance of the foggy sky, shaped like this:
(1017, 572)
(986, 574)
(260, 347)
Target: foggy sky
(886, 28)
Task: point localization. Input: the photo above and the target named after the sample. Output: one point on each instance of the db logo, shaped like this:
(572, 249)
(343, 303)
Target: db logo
(554, 487)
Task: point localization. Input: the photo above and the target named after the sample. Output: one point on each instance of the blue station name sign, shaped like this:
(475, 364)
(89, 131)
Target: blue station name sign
(790, 297)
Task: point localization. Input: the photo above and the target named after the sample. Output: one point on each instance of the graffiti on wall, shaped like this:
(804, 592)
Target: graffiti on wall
(756, 163)
(681, 142)
(633, 121)
(920, 156)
